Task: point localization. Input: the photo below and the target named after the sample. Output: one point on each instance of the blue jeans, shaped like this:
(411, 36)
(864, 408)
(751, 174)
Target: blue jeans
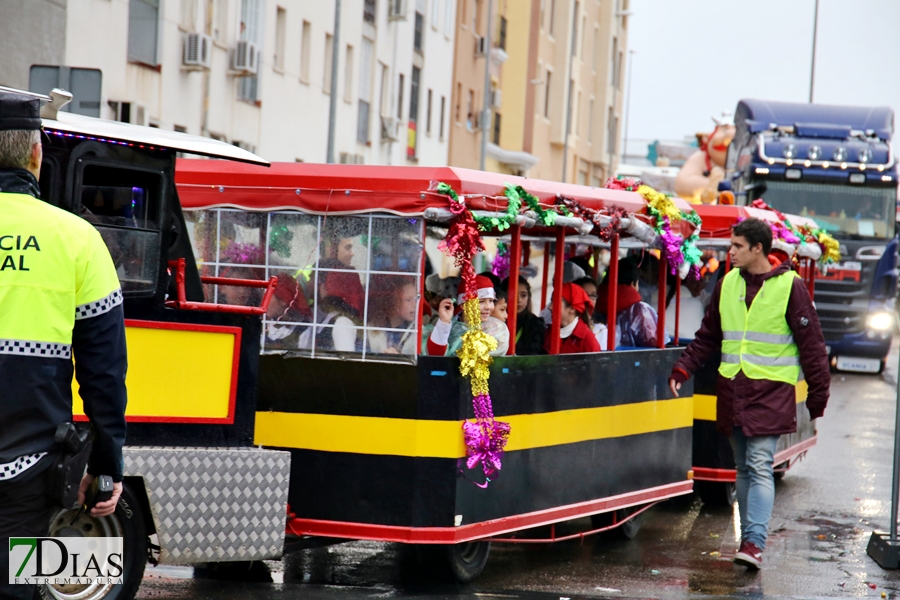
(753, 457)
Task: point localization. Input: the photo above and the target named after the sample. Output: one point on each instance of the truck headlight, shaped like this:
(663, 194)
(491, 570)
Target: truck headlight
(880, 321)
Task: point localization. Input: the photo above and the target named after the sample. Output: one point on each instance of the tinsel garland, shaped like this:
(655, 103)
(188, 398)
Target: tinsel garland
(280, 238)
(243, 254)
(692, 254)
(616, 213)
(660, 205)
(500, 264)
(485, 438)
(547, 217)
(474, 355)
(463, 241)
(665, 213)
(623, 183)
(514, 203)
(831, 248)
(677, 250)
(573, 208)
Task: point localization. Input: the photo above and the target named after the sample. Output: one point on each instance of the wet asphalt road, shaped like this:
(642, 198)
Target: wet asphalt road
(825, 509)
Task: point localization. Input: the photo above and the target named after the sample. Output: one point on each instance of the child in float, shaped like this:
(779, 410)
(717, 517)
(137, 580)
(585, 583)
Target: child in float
(287, 307)
(393, 301)
(445, 338)
(339, 323)
(599, 329)
(529, 327)
(575, 331)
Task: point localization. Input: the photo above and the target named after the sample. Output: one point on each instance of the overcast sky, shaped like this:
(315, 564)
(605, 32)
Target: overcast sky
(696, 58)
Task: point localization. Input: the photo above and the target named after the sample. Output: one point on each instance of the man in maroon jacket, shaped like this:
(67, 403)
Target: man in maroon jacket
(751, 409)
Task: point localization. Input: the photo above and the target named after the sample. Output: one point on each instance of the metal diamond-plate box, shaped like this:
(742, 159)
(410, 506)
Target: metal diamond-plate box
(214, 504)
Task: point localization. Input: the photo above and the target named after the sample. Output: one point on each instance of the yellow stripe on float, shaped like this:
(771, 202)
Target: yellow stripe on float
(443, 439)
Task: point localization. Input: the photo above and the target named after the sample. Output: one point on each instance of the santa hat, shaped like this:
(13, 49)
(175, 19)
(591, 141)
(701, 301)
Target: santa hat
(577, 298)
(291, 294)
(485, 289)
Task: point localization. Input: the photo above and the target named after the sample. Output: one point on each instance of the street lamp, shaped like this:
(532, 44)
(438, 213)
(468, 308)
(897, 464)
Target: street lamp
(486, 110)
(812, 69)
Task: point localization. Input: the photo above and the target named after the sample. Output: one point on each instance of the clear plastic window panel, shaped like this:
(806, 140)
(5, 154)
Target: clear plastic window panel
(347, 286)
(122, 216)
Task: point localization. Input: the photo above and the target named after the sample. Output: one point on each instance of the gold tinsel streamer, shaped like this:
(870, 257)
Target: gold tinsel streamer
(831, 249)
(660, 203)
(475, 352)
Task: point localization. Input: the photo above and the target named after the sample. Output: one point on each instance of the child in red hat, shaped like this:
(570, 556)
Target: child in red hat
(575, 322)
(445, 338)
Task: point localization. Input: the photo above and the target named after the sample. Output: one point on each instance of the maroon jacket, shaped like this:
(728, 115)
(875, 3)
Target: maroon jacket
(760, 406)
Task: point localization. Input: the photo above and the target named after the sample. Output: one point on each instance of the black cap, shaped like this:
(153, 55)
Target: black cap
(18, 111)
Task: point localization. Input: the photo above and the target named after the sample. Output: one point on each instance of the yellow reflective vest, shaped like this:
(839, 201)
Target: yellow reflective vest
(60, 300)
(758, 340)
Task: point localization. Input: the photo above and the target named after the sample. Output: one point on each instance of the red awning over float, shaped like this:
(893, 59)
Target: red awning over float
(349, 189)
(719, 219)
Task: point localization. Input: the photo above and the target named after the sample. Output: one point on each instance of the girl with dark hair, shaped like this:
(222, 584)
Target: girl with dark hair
(529, 326)
(393, 301)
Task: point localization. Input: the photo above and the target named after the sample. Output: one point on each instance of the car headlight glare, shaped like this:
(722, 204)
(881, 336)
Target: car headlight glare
(881, 321)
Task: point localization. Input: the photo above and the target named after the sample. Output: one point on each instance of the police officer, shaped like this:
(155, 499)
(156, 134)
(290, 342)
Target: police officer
(763, 322)
(60, 300)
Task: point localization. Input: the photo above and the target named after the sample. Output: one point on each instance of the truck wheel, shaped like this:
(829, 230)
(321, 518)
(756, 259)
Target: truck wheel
(128, 523)
(716, 493)
(626, 531)
(467, 560)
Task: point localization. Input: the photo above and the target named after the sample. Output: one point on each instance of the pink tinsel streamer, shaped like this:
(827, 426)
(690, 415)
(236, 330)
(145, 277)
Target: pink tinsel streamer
(485, 438)
(671, 248)
(500, 264)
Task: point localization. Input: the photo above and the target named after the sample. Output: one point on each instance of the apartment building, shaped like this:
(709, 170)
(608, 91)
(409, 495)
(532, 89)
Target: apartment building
(257, 73)
(581, 67)
(557, 71)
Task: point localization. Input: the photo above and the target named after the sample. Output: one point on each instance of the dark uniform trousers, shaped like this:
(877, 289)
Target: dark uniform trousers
(25, 511)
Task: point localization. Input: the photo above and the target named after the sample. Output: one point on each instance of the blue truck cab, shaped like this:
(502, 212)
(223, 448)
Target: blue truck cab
(835, 165)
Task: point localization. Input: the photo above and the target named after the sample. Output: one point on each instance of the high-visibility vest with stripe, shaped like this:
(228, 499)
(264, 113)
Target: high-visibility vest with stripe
(54, 269)
(758, 340)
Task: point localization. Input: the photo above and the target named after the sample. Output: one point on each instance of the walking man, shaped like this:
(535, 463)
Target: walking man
(59, 299)
(763, 322)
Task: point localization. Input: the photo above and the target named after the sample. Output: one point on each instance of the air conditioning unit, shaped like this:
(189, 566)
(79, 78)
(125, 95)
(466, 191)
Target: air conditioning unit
(245, 58)
(129, 112)
(390, 129)
(197, 51)
(481, 46)
(397, 10)
(496, 99)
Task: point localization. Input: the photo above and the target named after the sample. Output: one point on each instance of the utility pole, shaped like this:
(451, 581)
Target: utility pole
(812, 71)
(335, 55)
(486, 113)
(569, 91)
(628, 103)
